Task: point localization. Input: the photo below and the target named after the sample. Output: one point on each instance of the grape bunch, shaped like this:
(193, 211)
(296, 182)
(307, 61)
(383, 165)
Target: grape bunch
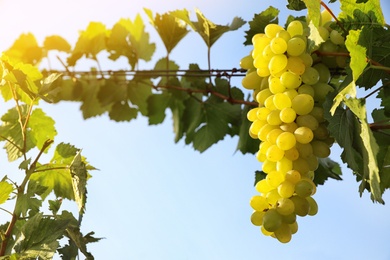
(290, 89)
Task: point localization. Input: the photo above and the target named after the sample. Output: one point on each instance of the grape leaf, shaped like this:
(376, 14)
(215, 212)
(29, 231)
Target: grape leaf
(111, 91)
(313, 12)
(27, 203)
(26, 49)
(56, 42)
(217, 117)
(5, 190)
(370, 151)
(38, 237)
(41, 127)
(259, 22)
(350, 8)
(327, 168)
(121, 111)
(259, 175)
(246, 144)
(78, 171)
(91, 105)
(90, 42)
(192, 117)
(296, 5)
(138, 92)
(169, 28)
(157, 104)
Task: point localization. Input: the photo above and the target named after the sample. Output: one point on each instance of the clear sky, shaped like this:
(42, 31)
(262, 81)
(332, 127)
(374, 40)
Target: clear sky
(156, 200)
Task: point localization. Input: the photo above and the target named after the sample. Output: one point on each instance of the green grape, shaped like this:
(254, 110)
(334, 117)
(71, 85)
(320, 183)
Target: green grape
(302, 104)
(283, 233)
(321, 90)
(264, 83)
(328, 46)
(306, 89)
(320, 149)
(273, 117)
(336, 38)
(293, 176)
(289, 219)
(296, 46)
(284, 164)
(262, 186)
(274, 153)
(308, 121)
(290, 80)
(295, 28)
(262, 113)
(257, 218)
(263, 147)
(321, 133)
(260, 63)
(263, 95)
(285, 206)
(285, 140)
(318, 113)
(324, 33)
(323, 72)
(273, 135)
(268, 166)
(287, 115)
(264, 130)
(296, 65)
(294, 227)
(281, 101)
(312, 160)
(273, 196)
(277, 64)
(265, 232)
(309, 175)
(301, 206)
(286, 189)
(255, 127)
(303, 188)
(259, 43)
(284, 35)
(247, 62)
(326, 17)
(272, 29)
(252, 114)
(268, 53)
(307, 59)
(269, 103)
(275, 86)
(301, 165)
(292, 154)
(291, 93)
(278, 45)
(263, 72)
(261, 157)
(310, 76)
(251, 80)
(289, 127)
(259, 203)
(342, 61)
(313, 206)
(305, 150)
(272, 220)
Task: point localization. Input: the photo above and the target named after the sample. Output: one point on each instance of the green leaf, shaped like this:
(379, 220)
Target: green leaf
(91, 105)
(163, 65)
(118, 44)
(296, 5)
(79, 175)
(27, 203)
(55, 205)
(327, 168)
(157, 104)
(121, 111)
(217, 117)
(5, 190)
(259, 22)
(38, 237)
(246, 144)
(41, 127)
(313, 11)
(55, 175)
(138, 92)
(78, 242)
(192, 117)
(111, 92)
(259, 175)
(90, 42)
(370, 151)
(26, 49)
(169, 28)
(56, 42)
(371, 8)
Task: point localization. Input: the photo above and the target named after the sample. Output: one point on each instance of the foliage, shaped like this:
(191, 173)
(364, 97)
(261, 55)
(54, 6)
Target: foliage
(205, 108)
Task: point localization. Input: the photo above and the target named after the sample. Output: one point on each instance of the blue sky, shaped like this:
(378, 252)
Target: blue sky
(154, 199)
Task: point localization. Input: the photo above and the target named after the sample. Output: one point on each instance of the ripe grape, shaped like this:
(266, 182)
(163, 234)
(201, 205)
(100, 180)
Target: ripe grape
(278, 45)
(247, 62)
(292, 154)
(259, 203)
(313, 206)
(303, 188)
(336, 37)
(289, 219)
(275, 86)
(295, 28)
(283, 233)
(306, 89)
(281, 101)
(285, 140)
(308, 121)
(302, 104)
(301, 206)
(263, 95)
(310, 76)
(277, 64)
(257, 218)
(296, 46)
(263, 186)
(274, 153)
(323, 72)
(286, 189)
(290, 80)
(320, 149)
(293, 176)
(296, 65)
(273, 117)
(303, 134)
(287, 115)
(284, 164)
(272, 29)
